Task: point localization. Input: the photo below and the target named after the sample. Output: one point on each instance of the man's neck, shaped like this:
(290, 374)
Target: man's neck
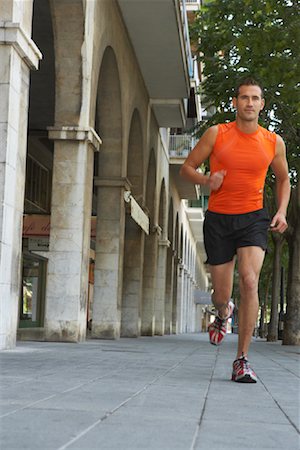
(247, 127)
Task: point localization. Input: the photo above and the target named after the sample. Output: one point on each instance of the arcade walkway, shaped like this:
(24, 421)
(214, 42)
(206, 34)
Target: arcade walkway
(160, 393)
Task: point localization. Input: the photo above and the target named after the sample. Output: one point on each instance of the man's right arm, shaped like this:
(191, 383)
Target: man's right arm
(197, 156)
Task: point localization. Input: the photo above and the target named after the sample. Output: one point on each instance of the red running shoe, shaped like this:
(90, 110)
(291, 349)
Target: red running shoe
(242, 372)
(217, 329)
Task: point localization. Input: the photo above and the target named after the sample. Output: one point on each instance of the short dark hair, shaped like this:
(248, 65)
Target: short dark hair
(248, 81)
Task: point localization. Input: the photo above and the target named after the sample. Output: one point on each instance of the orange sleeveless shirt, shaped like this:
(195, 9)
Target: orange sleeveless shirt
(246, 158)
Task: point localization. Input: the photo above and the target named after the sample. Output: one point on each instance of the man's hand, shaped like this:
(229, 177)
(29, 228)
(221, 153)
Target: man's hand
(279, 223)
(215, 180)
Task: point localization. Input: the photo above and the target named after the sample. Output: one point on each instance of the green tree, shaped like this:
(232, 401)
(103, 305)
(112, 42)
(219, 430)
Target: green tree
(261, 39)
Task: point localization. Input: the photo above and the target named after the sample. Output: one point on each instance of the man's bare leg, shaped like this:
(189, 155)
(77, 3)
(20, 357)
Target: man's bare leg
(222, 281)
(250, 260)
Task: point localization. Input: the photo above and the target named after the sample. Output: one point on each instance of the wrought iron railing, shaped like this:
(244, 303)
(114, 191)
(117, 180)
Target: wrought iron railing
(180, 145)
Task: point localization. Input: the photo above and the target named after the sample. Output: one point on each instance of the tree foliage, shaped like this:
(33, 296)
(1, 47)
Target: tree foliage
(259, 38)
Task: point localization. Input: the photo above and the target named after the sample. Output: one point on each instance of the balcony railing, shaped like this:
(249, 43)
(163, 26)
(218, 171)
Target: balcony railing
(195, 2)
(180, 145)
(186, 36)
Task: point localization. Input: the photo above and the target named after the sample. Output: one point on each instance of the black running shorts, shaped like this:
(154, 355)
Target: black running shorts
(224, 233)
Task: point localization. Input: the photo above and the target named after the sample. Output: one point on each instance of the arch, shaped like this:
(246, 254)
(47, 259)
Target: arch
(162, 210)
(68, 26)
(65, 316)
(150, 187)
(41, 113)
(189, 305)
(180, 247)
(176, 235)
(184, 292)
(175, 275)
(159, 307)
(189, 254)
(108, 202)
(132, 272)
(171, 223)
(169, 271)
(135, 157)
(150, 252)
(39, 152)
(109, 118)
(42, 81)
(184, 248)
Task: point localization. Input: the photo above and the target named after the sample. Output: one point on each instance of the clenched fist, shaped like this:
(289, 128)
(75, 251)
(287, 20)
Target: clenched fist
(215, 180)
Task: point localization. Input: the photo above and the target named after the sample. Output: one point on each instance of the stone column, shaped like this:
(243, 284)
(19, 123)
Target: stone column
(169, 290)
(183, 300)
(18, 54)
(132, 279)
(191, 319)
(175, 293)
(160, 291)
(109, 257)
(149, 281)
(67, 281)
(193, 305)
(188, 303)
(180, 276)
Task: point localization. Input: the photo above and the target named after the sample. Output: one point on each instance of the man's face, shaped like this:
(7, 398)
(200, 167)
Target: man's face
(249, 103)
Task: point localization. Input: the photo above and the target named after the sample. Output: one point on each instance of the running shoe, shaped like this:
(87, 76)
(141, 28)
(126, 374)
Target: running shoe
(242, 372)
(217, 329)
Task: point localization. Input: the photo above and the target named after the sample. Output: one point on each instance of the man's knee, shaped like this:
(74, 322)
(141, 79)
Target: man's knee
(249, 282)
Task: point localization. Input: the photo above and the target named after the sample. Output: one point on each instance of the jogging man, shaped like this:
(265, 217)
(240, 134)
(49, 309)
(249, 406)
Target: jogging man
(236, 223)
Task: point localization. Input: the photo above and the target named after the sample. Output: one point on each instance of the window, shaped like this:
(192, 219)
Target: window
(37, 187)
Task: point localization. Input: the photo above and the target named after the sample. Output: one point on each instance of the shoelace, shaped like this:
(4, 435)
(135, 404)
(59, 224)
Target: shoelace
(219, 322)
(243, 362)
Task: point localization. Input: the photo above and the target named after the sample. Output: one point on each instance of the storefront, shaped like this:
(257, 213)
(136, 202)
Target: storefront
(36, 231)
(35, 244)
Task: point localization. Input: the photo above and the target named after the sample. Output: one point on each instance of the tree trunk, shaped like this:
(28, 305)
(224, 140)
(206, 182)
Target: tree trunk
(262, 321)
(291, 332)
(262, 325)
(276, 278)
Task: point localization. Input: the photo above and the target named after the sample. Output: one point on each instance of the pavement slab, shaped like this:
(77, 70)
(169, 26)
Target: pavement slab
(154, 393)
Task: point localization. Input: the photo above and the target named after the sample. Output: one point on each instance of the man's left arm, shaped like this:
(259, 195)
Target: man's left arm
(283, 189)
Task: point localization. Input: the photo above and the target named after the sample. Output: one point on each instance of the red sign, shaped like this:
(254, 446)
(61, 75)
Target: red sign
(39, 225)
(36, 225)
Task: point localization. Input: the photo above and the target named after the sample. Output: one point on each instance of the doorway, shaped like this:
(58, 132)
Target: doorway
(32, 300)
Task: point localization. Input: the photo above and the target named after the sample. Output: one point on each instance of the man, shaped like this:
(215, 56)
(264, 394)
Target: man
(236, 223)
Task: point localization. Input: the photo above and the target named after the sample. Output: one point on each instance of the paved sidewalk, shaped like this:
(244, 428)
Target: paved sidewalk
(160, 393)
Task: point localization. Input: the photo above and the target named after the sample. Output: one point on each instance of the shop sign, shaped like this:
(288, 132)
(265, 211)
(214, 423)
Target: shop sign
(39, 225)
(38, 244)
(137, 213)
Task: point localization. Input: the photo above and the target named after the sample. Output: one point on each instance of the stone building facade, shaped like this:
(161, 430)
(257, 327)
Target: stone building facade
(102, 242)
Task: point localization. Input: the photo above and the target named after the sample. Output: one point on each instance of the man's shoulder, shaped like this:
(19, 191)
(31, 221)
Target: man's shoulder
(225, 127)
(267, 134)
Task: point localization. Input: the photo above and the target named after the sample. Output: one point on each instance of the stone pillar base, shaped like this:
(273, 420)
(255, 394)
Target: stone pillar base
(105, 331)
(148, 332)
(64, 331)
